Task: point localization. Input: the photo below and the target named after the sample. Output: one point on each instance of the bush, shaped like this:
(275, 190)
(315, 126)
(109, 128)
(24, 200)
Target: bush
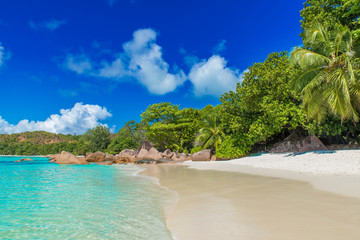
(228, 149)
(196, 149)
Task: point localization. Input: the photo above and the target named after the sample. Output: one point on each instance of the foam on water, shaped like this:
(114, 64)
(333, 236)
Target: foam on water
(41, 200)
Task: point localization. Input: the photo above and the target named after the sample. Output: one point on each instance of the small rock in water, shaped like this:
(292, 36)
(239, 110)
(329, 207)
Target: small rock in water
(24, 159)
(145, 161)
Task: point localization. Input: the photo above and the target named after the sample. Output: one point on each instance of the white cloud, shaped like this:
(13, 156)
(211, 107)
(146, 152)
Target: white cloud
(220, 47)
(212, 77)
(141, 59)
(2, 54)
(51, 25)
(116, 69)
(79, 64)
(76, 120)
(147, 65)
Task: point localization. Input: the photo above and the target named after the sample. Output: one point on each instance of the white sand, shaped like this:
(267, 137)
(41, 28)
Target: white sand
(263, 204)
(226, 204)
(339, 163)
(337, 172)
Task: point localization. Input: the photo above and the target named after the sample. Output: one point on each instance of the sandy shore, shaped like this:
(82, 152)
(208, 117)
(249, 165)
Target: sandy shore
(279, 197)
(339, 163)
(337, 172)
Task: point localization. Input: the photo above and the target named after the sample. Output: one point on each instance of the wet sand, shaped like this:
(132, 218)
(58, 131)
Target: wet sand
(233, 205)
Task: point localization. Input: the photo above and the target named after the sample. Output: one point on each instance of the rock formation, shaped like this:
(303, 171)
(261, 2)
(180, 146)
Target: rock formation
(298, 144)
(167, 154)
(109, 158)
(181, 157)
(68, 158)
(145, 145)
(204, 155)
(151, 154)
(24, 159)
(126, 156)
(95, 157)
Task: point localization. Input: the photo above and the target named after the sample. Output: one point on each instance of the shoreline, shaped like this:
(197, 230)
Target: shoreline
(170, 203)
(337, 172)
(216, 202)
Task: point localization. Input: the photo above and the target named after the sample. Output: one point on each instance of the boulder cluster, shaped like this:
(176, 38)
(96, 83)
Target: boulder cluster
(24, 159)
(145, 154)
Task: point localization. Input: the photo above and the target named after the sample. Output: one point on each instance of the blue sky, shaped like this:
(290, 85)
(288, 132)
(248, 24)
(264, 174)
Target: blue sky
(66, 66)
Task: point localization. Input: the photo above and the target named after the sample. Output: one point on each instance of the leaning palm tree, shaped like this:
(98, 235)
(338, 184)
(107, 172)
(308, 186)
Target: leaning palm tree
(329, 80)
(211, 135)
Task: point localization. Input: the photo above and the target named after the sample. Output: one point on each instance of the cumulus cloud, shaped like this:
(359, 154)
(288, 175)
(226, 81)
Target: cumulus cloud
(76, 120)
(141, 59)
(116, 69)
(51, 25)
(220, 47)
(212, 77)
(79, 64)
(147, 65)
(2, 54)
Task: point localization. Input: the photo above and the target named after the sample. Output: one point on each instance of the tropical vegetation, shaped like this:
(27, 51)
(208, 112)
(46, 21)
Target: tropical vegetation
(315, 88)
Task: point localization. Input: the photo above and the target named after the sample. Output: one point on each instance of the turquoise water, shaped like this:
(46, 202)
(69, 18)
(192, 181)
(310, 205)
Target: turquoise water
(42, 200)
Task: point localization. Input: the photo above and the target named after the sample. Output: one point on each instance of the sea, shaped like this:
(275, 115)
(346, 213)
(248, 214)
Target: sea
(43, 200)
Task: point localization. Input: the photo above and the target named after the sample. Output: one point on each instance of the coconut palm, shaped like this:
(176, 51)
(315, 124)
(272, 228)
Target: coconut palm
(181, 147)
(329, 81)
(211, 135)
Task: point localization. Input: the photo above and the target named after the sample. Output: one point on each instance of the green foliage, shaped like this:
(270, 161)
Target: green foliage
(160, 112)
(329, 80)
(37, 143)
(175, 129)
(330, 12)
(96, 139)
(263, 109)
(229, 149)
(211, 134)
(196, 149)
(263, 105)
(128, 137)
(180, 147)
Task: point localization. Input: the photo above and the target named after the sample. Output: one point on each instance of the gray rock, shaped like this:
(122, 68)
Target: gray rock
(145, 145)
(95, 157)
(204, 155)
(299, 145)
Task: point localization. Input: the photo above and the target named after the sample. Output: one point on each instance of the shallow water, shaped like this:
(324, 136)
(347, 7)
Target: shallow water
(231, 205)
(41, 200)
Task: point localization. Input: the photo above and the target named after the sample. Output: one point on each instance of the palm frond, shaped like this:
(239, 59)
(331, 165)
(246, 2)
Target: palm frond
(307, 58)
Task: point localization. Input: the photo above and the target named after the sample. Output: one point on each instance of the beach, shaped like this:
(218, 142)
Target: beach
(270, 196)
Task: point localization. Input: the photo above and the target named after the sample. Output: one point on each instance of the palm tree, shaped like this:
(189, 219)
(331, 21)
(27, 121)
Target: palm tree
(211, 135)
(180, 147)
(329, 81)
